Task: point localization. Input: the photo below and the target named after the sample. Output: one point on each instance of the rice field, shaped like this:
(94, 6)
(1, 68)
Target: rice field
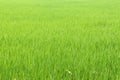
(60, 40)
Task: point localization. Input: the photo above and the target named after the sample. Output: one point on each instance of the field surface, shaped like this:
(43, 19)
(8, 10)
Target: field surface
(59, 40)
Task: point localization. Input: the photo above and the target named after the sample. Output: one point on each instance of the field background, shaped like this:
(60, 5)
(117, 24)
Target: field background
(59, 40)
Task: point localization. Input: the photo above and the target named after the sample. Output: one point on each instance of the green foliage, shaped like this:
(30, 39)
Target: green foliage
(59, 40)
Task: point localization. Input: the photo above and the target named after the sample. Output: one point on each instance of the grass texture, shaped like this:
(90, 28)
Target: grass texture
(59, 40)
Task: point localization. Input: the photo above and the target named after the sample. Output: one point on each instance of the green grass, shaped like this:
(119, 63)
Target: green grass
(59, 40)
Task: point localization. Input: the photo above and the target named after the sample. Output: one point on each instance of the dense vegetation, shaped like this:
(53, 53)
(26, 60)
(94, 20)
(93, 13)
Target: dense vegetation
(59, 40)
